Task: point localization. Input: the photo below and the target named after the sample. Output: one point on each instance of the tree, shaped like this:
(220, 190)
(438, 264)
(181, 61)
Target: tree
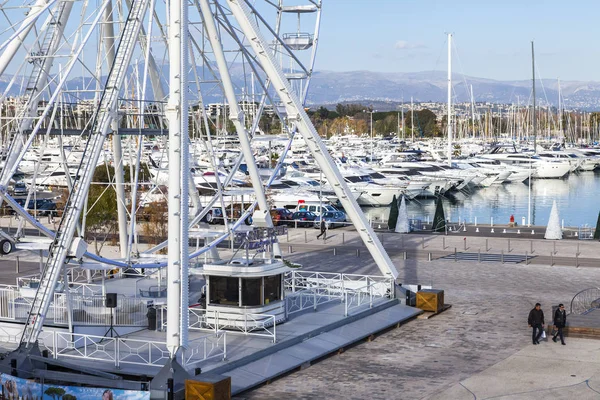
(55, 392)
(156, 229)
(439, 220)
(393, 218)
(102, 217)
(69, 397)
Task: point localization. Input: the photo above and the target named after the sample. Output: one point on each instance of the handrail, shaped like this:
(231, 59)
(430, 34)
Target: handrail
(577, 301)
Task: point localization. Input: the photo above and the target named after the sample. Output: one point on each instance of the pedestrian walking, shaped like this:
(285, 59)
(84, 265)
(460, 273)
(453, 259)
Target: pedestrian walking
(536, 322)
(560, 321)
(323, 230)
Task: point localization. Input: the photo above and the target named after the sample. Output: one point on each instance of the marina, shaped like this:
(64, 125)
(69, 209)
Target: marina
(179, 218)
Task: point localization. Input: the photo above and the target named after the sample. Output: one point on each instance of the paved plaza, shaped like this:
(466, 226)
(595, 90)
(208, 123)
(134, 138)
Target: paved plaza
(486, 325)
(479, 348)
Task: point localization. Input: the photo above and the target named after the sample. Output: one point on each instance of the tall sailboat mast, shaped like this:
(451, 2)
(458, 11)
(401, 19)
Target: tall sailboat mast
(449, 150)
(534, 113)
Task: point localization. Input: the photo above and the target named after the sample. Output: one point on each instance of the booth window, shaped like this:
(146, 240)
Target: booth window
(224, 290)
(272, 288)
(251, 295)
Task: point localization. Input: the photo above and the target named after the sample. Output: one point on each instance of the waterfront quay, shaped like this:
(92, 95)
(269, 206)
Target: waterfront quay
(481, 346)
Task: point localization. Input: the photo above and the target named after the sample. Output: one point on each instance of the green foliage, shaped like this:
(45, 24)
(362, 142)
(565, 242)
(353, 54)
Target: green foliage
(55, 392)
(394, 212)
(69, 397)
(350, 110)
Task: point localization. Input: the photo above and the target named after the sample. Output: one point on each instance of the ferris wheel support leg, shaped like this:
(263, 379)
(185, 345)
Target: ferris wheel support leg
(236, 115)
(178, 193)
(298, 116)
(108, 38)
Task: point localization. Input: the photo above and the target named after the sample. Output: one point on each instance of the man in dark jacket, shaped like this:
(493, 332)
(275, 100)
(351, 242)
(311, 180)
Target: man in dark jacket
(536, 321)
(560, 321)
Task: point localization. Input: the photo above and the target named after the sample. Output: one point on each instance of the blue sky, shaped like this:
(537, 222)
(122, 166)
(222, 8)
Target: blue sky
(492, 38)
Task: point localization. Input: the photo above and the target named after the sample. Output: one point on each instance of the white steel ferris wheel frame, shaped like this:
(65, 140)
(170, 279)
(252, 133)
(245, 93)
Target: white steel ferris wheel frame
(243, 14)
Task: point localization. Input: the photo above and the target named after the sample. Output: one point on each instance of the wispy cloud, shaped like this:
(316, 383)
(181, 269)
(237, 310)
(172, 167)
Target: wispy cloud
(405, 45)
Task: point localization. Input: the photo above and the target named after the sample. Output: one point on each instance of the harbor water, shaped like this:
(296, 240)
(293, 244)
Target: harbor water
(577, 198)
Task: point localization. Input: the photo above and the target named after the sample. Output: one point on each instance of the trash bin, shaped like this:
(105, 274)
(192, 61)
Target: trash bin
(151, 314)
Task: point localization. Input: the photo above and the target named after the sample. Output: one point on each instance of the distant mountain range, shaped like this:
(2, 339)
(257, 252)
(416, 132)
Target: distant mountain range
(389, 89)
(328, 87)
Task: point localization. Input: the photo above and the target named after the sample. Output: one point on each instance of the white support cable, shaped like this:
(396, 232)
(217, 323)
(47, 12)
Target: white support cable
(6, 176)
(297, 115)
(62, 243)
(236, 114)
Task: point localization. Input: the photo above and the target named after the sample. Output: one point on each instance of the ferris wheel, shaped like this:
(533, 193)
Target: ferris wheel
(57, 54)
(160, 95)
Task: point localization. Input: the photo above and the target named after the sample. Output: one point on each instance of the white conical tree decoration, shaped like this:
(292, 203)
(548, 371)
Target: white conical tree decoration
(553, 230)
(402, 225)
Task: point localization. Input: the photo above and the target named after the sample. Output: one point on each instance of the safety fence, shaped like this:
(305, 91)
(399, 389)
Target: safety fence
(261, 325)
(85, 310)
(122, 350)
(585, 301)
(308, 289)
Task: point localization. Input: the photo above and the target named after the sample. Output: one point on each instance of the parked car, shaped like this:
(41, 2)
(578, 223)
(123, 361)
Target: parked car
(316, 208)
(281, 216)
(332, 219)
(43, 206)
(304, 218)
(20, 189)
(215, 216)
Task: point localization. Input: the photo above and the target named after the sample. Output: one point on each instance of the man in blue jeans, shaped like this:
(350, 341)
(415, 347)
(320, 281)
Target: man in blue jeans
(536, 321)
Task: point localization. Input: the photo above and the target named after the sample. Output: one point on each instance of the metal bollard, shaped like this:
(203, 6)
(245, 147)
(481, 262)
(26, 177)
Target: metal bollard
(526, 259)
(17, 264)
(486, 246)
(423, 242)
(287, 234)
(334, 252)
(455, 257)
(170, 387)
(357, 252)
(531, 246)
(578, 248)
(305, 237)
(551, 259)
(429, 256)
(343, 237)
(576, 260)
(290, 250)
(465, 243)
(554, 244)
(444, 242)
(502, 256)
(404, 255)
(479, 255)
(382, 239)
(509, 245)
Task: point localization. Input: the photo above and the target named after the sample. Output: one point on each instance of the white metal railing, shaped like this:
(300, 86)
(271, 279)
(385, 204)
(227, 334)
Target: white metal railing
(308, 289)
(262, 325)
(308, 298)
(87, 310)
(7, 303)
(121, 350)
(82, 288)
(11, 334)
(92, 310)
